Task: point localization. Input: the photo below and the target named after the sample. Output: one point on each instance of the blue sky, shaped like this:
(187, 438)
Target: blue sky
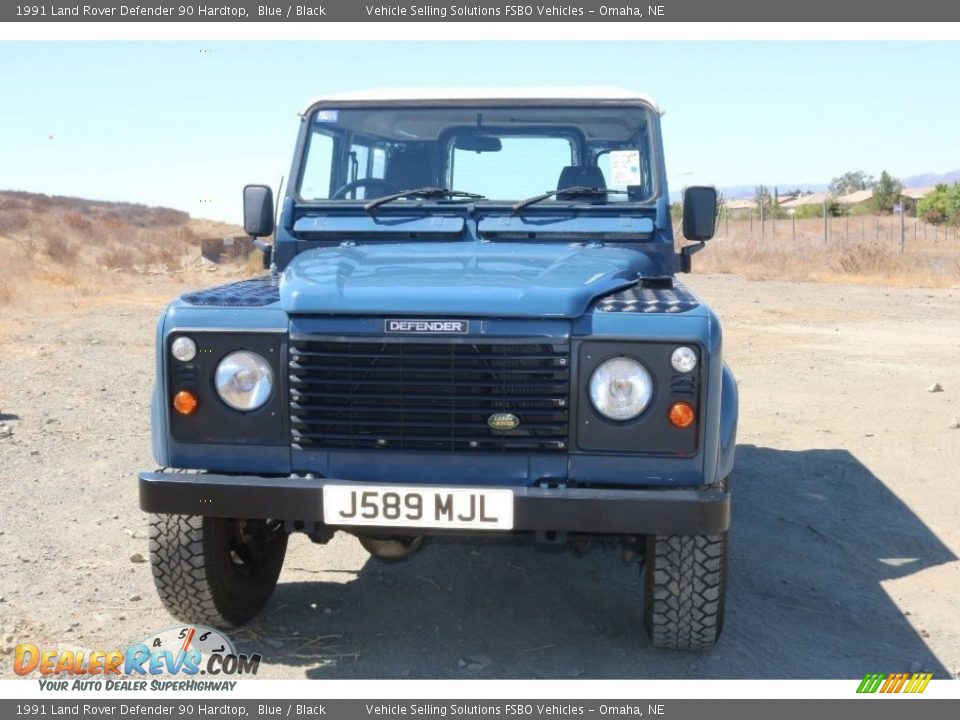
(187, 124)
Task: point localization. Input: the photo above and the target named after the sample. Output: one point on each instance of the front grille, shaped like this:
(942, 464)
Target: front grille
(428, 395)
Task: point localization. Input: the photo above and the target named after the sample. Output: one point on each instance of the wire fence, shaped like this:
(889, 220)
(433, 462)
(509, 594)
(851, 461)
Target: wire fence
(889, 249)
(897, 230)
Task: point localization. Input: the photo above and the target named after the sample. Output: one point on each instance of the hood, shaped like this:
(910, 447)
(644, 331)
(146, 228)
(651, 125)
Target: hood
(462, 279)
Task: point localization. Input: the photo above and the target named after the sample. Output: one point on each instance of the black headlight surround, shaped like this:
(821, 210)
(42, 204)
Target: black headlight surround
(651, 432)
(214, 421)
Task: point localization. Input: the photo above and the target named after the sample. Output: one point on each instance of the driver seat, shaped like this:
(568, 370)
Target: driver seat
(409, 169)
(582, 176)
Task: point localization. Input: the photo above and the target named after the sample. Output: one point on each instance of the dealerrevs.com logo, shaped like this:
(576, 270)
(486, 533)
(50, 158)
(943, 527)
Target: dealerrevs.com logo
(179, 652)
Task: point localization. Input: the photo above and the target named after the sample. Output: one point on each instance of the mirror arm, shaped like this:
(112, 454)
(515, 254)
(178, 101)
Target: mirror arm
(685, 254)
(267, 250)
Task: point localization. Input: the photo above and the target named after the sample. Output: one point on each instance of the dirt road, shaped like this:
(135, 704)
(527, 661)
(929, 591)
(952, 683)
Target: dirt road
(844, 547)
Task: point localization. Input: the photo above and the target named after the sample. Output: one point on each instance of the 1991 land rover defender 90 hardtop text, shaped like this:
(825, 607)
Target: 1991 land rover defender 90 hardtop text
(471, 325)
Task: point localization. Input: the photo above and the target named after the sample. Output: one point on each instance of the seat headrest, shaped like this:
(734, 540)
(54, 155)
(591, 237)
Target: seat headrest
(409, 169)
(581, 176)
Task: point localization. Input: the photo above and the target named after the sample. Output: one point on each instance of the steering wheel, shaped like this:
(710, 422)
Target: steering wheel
(375, 188)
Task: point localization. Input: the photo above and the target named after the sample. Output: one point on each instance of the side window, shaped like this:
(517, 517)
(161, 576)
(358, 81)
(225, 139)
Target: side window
(378, 162)
(365, 161)
(315, 181)
(359, 156)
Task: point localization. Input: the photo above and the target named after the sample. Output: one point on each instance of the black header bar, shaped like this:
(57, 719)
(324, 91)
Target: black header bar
(326, 11)
(214, 704)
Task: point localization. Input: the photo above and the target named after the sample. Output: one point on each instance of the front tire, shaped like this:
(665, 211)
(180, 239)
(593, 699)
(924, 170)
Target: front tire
(685, 590)
(215, 571)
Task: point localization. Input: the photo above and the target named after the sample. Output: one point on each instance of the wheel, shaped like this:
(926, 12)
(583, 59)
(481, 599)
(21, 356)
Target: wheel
(684, 590)
(373, 188)
(215, 571)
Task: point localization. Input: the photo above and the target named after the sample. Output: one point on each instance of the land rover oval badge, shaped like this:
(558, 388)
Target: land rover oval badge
(503, 421)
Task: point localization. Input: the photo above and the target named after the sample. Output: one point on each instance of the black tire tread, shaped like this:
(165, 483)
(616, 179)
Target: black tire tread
(179, 569)
(685, 588)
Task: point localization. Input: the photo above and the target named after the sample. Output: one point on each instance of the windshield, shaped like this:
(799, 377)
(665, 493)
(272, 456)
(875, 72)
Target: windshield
(503, 153)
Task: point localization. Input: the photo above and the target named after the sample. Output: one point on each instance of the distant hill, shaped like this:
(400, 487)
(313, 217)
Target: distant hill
(72, 239)
(731, 192)
(913, 181)
(931, 179)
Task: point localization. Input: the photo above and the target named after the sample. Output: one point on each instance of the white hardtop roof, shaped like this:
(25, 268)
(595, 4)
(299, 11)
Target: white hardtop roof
(467, 94)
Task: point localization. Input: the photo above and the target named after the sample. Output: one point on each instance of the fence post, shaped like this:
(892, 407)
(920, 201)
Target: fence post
(902, 240)
(761, 220)
(825, 232)
(726, 221)
(751, 222)
(793, 217)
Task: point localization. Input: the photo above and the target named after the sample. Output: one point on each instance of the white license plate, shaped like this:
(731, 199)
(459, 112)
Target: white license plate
(385, 506)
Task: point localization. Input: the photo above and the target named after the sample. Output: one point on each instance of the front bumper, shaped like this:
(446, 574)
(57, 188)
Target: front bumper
(575, 510)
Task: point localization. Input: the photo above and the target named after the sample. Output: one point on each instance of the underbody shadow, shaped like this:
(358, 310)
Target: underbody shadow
(814, 535)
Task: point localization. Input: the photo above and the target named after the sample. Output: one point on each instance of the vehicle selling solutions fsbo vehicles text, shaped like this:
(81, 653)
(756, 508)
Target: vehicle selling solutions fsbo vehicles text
(442, 11)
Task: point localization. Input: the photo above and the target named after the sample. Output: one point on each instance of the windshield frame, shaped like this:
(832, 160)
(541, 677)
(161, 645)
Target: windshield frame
(347, 204)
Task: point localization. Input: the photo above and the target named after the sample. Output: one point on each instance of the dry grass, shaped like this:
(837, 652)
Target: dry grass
(858, 251)
(70, 243)
(119, 258)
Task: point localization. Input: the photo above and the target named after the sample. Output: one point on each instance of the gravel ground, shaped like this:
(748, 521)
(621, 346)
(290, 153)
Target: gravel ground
(844, 543)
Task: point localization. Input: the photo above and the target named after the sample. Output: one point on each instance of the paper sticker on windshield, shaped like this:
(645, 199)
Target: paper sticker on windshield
(624, 168)
(326, 116)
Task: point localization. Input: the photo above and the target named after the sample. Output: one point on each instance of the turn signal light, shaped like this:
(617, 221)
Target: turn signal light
(682, 415)
(185, 402)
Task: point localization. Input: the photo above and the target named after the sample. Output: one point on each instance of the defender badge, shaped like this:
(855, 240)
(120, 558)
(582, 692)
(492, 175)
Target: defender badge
(503, 421)
(455, 327)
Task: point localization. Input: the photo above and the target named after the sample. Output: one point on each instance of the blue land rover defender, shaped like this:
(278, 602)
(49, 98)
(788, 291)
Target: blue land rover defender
(469, 324)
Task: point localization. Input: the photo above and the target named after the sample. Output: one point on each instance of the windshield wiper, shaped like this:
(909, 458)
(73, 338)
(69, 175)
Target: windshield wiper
(427, 192)
(578, 190)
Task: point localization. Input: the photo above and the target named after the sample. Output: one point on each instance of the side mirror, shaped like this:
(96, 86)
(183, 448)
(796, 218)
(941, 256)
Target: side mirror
(258, 218)
(699, 213)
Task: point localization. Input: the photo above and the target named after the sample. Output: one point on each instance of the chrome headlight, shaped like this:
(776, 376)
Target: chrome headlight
(684, 359)
(183, 349)
(620, 388)
(244, 380)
